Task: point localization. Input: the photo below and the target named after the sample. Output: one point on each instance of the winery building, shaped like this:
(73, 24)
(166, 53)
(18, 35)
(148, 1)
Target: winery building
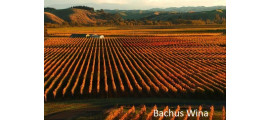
(86, 36)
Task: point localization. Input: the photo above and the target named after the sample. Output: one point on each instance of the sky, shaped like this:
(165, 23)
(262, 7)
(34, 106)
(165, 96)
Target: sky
(132, 4)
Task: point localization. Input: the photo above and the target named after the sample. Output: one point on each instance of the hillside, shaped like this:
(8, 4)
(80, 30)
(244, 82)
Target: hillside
(77, 16)
(187, 9)
(172, 11)
(51, 18)
(84, 16)
(188, 16)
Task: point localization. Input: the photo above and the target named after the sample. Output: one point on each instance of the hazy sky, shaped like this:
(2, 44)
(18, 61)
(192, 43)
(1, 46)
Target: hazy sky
(132, 4)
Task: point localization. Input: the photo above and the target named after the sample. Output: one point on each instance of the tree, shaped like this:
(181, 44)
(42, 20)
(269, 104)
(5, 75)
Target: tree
(84, 8)
(101, 10)
(223, 20)
(217, 19)
(208, 21)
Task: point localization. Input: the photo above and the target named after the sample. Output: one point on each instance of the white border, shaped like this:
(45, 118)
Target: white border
(248, 60)
(21, 60)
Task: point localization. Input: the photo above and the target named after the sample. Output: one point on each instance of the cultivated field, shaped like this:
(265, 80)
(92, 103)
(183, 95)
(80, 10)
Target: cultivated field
(166, 66)
(149, 62)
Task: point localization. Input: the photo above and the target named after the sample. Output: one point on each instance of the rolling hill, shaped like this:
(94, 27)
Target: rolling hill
(77, 16)
(51, 18)
(83, 15)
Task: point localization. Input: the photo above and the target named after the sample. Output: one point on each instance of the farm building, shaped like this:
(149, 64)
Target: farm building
(87, 36)
(78, 35)
(95, 36)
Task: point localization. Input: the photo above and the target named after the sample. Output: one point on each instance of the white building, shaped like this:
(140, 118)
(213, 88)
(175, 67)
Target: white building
(87, 36)
(95, 36)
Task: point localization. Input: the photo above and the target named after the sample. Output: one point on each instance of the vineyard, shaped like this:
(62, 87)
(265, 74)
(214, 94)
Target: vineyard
(168, 113)
(171, 66)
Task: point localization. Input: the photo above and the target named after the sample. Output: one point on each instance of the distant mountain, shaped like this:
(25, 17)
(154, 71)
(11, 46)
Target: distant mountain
(165, 16)
(188, 9)
(131, 14)
(83, 15)
(139, 14)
